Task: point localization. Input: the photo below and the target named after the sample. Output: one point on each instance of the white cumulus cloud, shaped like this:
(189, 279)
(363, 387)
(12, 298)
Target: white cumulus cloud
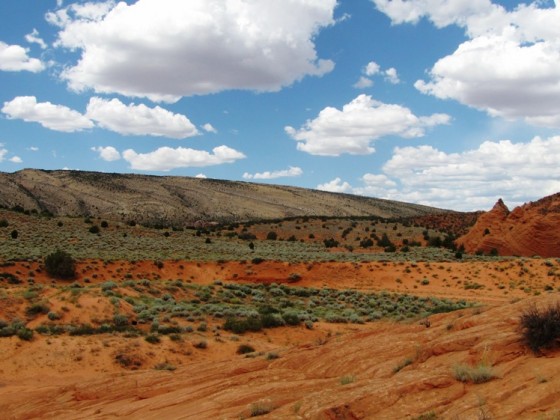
(360, 122)
(4, 153)
(292, 171)
(363, 83)
(372, 68)
(336, 185)
(54, 117)
(15, 58)
(509, 65)
(209, 128)
(167, 158)
(34, 38)
(172, 48)
(470, 180)
(392, 76)
(139, 119)
(108, 154)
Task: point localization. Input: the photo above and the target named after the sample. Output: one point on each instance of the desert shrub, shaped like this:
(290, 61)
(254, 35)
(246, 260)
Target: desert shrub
(200, 345)
(241, 325)
(402, 364)
(260, 409)
(165, 366)
(477, 374)
(60, 264)
(152, 339)
(12, 278)
(25, 334)
(53, 316)
(385, 242)
(83, 329)
(330, 243)
(245, 348)
(37, 309)
(169, 329)
(540, 328)
(272, 236)
(104, 224)
(294, 277)
(14, 234)
(247, 236)
(366, 243)
(94, 229)
(120, 320)
(347, 379)
(291, 318)
(108, 285)
(4, 223)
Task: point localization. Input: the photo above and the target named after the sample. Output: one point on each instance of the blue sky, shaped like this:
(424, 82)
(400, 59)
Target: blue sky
(449, 103)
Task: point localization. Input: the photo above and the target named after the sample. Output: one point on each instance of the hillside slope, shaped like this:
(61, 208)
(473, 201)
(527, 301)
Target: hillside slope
(181, 200)
(530, 229)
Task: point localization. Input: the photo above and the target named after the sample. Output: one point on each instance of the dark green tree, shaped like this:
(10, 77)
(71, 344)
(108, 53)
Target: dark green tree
(61, 265)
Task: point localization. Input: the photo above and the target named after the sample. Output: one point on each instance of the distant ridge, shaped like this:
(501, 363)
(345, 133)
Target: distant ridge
(173, 200)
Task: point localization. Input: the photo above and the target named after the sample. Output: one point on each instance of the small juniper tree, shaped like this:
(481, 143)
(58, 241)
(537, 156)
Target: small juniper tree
(60, 264)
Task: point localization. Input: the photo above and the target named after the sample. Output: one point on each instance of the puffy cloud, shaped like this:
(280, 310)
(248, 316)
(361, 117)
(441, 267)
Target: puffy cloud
(391, 76)
(139, 119)
(293, 171)
(336, 185)
(440, 12)
(167, 158)
(209, 128)
(502, 77)
(471, 180)
(15, 58)
(4, 152)
(363, 83)
(76, 12)
(54, 117)
(201, 176)
(172, 48)
(108, 154)
(372, 68)
(509, 66)
(360, 122)
(33, 38)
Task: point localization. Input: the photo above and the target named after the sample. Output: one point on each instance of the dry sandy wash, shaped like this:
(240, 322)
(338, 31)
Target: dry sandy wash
(380, 370)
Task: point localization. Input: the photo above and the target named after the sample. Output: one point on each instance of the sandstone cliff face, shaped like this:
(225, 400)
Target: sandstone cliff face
(528, 230)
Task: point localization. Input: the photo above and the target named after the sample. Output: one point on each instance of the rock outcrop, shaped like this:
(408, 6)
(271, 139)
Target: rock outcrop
(529, 230)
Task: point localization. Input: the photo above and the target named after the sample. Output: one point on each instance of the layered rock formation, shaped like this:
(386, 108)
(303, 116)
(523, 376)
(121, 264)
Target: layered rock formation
(529, 230)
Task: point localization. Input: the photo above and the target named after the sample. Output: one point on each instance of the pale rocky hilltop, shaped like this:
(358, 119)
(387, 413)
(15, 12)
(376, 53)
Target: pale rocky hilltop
(181, 200)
